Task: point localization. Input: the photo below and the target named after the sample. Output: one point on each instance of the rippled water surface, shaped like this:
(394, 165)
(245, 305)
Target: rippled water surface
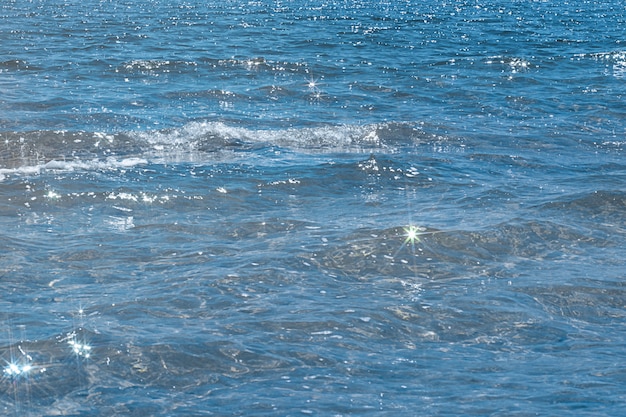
(301, 207)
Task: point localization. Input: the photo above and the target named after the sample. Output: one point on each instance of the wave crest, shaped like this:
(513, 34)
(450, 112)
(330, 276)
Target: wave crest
(31, 152)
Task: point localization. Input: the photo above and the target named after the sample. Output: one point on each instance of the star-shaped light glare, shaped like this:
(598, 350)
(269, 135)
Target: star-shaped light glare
(80, 349)
(412, 234)
(16, 369)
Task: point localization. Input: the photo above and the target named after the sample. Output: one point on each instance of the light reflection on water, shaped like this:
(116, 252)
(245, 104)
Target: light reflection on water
(205, 305)
(218, 208)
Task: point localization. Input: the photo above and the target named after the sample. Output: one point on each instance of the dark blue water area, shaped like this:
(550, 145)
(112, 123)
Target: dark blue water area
(312, 208)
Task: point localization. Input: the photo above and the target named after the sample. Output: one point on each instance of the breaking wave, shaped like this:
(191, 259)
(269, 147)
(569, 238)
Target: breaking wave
(30, 153)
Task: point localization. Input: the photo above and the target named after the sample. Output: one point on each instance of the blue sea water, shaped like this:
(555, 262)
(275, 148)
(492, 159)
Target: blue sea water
(312, 207)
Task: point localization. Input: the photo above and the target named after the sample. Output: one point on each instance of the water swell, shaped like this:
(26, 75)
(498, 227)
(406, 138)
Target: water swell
(437, 254)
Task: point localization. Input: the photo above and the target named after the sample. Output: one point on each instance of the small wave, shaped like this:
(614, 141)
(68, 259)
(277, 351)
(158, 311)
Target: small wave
(515, 64)
(616, 58)
(25, 152)
(14, 64)
(30, 153)
(69, 166)
(214, 93)
(430, 254)
(258, 63)
(601, 204)
(250, 64)
(213, 136)
(610, 55)
(155, 65)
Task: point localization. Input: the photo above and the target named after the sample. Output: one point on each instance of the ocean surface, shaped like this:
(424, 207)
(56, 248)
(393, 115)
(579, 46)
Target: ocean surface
(332, 208)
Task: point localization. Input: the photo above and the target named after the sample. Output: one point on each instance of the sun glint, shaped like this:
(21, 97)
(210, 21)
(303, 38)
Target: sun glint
(412, 234)
(15, 369)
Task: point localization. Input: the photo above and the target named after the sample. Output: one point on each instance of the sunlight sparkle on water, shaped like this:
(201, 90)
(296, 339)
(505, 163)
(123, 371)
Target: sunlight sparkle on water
(412, 234)
(53, 195)
(80, 349)
(14, 369)
(411, 237)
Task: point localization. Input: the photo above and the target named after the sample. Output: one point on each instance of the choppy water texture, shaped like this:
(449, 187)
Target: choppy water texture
(300, 207)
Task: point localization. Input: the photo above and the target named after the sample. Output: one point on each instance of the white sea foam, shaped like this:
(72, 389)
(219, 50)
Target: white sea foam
(216, 136)
(193, 142)
(70, 166)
